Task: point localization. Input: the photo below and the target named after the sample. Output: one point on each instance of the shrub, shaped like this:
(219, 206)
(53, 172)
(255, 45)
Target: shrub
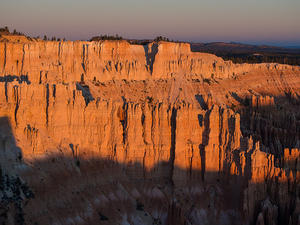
(161, 38)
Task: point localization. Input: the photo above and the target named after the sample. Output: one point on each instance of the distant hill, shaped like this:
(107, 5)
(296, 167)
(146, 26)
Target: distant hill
(245, 53)
(294, 47)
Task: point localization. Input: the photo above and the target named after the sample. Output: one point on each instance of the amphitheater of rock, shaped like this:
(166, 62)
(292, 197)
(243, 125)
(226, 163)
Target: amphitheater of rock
(113, 133)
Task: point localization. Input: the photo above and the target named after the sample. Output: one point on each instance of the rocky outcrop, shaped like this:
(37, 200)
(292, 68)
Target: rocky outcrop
(123, 134)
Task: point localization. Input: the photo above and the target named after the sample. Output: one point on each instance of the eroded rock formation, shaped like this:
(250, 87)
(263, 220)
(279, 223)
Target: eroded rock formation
(113, 133)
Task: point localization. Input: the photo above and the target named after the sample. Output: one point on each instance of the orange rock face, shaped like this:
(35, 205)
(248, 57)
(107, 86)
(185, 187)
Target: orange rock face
(108, 132)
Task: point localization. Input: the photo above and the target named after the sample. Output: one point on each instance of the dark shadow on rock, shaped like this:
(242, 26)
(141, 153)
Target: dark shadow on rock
(275, 126)
(237, 98)
(14, 192)
(150, 55)
(201, 101)
(205, 137)
(85, 90)
(113, 189)
(11, 78)
(8, 147)
(65, 188)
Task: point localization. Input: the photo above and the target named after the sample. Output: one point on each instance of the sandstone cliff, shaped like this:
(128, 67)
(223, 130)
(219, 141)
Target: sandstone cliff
(52, 62)
(113, 133)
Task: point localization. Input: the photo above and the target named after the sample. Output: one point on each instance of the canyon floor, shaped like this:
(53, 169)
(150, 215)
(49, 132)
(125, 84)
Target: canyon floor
(113, 133)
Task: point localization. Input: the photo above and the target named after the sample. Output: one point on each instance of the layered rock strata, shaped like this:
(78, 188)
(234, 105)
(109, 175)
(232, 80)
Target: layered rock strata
(52, 62)
(113, 133)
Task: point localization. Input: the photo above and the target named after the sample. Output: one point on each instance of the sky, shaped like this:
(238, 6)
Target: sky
(274, 22)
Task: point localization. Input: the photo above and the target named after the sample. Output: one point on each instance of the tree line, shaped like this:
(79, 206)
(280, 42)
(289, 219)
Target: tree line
(5, 30)
(106, 37)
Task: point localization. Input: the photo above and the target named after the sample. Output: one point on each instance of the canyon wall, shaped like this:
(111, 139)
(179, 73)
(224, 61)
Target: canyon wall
(52, 62)
(113, 133)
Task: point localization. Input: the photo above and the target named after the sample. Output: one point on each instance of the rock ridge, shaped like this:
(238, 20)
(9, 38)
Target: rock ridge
(64, 62)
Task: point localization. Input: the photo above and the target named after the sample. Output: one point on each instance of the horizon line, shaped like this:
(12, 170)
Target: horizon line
(284, 44)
